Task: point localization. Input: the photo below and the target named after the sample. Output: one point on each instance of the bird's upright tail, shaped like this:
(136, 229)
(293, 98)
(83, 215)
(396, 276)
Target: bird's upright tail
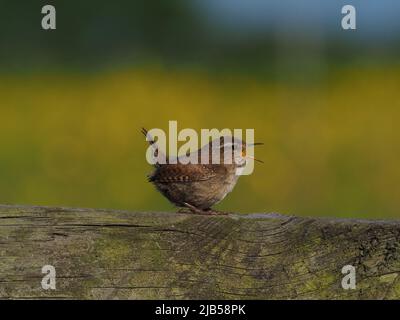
(149, 138)
(154, 145)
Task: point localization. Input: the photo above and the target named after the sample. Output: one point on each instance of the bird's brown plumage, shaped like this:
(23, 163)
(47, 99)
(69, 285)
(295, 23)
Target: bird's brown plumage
(198, 186)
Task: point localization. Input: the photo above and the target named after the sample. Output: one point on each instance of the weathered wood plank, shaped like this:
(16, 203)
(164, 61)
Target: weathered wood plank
(100, 254)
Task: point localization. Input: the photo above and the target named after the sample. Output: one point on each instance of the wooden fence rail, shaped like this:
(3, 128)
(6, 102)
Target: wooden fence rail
(100, 254)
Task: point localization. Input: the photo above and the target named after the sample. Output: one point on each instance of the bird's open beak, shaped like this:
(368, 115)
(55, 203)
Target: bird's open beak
(255, 144)
(250, 157)
(251, 145)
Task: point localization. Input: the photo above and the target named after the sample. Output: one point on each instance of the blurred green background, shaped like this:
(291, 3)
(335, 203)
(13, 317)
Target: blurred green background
(326, 102)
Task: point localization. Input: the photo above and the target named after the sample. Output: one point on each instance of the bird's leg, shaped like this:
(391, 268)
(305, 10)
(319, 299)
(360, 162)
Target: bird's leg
(193, 209)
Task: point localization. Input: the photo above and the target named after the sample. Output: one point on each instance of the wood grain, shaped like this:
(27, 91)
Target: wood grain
(101, 254)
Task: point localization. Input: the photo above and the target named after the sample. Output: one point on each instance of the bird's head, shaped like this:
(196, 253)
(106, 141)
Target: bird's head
(230, 150)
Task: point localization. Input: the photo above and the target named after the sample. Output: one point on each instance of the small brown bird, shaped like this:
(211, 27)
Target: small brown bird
(199, 186)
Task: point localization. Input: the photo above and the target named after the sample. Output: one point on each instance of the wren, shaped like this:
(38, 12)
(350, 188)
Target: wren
(198, 186)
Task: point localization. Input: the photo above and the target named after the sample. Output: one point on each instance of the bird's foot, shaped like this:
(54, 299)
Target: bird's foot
(193, 209)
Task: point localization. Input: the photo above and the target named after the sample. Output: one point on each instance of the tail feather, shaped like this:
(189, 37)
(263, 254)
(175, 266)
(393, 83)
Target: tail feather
(152, 143)
(149, 138)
